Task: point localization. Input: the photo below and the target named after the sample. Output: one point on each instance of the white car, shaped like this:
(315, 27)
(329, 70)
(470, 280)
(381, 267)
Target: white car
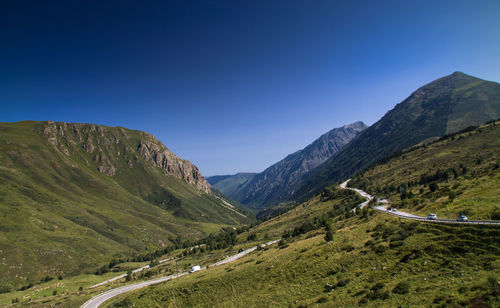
(195, 269)
(394, 210)
(432, 216)
(462, 218)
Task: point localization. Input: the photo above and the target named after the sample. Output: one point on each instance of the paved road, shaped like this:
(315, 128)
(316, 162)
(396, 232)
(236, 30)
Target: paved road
(97, 300)
(383, 208)
(140, 269)
(359, 191)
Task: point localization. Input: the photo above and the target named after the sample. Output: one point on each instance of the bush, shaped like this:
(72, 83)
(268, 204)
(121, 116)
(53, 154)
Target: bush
(322, 299)
(347, 248)
(4, 289)
(282, 244)
(342, 283)
(378, 294)
(380, 249)
(401, 288)
(378, 286)
(495, 215)
(251, 237)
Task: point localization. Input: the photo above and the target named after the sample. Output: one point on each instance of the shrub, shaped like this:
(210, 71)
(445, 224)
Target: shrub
(342, 283)
(4, 289)
(401, 288)
(378, 294)
(251, 237)
(347, 248)
(282, 244)
(322, 299)
(378, 286)
(380, 249)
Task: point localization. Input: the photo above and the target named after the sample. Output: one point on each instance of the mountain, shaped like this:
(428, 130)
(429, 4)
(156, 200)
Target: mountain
(227, 184)
(372, 258)
(273, 184)
(458, 173)
(74, 195)
(441, 107)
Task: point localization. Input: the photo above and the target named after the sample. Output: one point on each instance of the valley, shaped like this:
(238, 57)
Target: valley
(133, 218)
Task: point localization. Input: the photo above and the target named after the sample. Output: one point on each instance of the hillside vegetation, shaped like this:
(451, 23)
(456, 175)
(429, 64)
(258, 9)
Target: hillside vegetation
(372, 261)
(332, 256)
(441, 107)
(73, 196)
(460, 173)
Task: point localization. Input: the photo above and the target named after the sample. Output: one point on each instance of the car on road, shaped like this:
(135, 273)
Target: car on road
(195, 269)
(462, 218)
(394, 210)
(432, 216)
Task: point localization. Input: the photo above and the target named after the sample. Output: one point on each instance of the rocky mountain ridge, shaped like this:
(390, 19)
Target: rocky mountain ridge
(273, 184)
(92, 138)
(443, 106)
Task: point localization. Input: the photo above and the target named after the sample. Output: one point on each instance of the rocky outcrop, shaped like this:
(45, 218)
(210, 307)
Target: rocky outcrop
(156, 153)
(114, 148)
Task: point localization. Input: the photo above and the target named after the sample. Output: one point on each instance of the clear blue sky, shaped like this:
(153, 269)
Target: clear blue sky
(234, 85)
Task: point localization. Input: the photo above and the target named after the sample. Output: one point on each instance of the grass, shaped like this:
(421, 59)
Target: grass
(360, 267)
(69, 294)
(470, 181)
(374, 259)
(60, 216)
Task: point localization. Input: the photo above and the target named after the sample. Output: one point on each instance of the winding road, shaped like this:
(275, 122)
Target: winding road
(97, 300)
(383, 208)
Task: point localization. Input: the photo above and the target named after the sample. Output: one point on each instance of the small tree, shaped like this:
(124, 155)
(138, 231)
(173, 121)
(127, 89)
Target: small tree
(329, 233)
(129, 275)
(282, 244)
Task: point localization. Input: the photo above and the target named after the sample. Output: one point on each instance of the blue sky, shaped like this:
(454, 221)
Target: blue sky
(234, 85)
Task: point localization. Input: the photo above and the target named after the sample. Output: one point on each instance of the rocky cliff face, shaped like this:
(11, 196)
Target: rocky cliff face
(114, 148)
(153, 151)
(273, 184)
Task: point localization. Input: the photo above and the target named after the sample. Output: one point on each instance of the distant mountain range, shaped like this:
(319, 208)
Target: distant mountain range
(229, 184)
(83, 193)
(441, 107)
(274, 184)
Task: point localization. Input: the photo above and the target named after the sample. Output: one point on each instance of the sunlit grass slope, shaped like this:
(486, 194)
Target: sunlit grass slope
(60, 215)
(378, 261)
(459, 174)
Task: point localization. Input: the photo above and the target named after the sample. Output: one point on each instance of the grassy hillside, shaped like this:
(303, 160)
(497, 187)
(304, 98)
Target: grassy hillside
(459, 174)
(71, 202)
(441, 107)
(374, 261)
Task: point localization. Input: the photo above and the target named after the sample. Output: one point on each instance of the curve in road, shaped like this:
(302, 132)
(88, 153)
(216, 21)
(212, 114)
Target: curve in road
(383, 208)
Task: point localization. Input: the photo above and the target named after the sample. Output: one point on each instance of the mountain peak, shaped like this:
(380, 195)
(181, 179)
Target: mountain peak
(456, 78)
(356, 125)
